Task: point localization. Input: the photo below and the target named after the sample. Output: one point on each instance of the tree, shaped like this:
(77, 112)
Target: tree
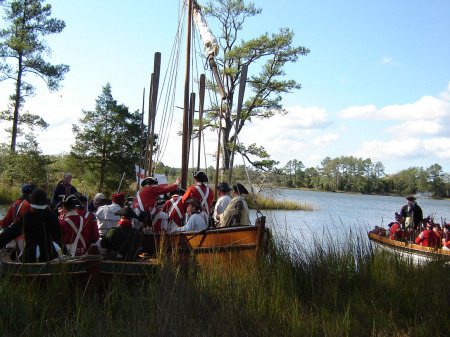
(272, 52)
(22, 49)
(435, 174)
(27, 164)
(107, 143)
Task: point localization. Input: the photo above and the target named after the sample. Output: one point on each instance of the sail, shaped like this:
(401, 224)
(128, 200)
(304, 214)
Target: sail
(208, 38)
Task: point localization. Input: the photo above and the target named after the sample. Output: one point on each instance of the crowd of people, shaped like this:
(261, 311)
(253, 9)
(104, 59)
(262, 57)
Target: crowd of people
(38, 229)
(410, 225)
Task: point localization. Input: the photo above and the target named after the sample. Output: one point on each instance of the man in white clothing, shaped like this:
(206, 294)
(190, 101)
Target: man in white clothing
(196, 221)
(222, 202)
(105, 214)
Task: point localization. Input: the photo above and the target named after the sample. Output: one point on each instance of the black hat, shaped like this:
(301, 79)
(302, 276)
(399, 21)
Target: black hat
(447, 226)
(240, 189)
(410, 198)
(149, 181)
(82, 198)
(200, 176)
(126, 212)
(193, 202)
(70, 201)
(178, 191)
(398, 215)
(38, 199)
(26, 189)
(224, 187)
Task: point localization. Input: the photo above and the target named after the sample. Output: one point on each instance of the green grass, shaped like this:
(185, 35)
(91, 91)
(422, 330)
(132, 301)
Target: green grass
(329, 290)
(270, 203)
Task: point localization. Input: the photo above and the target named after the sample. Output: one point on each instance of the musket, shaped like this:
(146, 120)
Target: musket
(121, 181)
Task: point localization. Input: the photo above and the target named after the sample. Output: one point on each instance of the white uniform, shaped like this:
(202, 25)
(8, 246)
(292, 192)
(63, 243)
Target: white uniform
(196, 222)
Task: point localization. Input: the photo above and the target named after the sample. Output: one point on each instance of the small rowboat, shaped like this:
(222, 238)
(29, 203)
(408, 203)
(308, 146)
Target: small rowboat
(216, 246)
(409, 250)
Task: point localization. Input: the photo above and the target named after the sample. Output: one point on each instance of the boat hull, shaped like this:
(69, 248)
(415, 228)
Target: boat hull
(216, 246)
(410, 250)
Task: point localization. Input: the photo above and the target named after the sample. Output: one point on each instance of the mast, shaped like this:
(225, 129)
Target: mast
(200, 116)
(185, 141)
(242, 82)
(153, 100)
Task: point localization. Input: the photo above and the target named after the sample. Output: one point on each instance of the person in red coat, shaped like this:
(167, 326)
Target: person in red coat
(19, 207)
(199, 191)
(146, 198)
(77, 233)
(172, 208)
(396, 232)
(82, 210)
(446, 239)
(427, 238)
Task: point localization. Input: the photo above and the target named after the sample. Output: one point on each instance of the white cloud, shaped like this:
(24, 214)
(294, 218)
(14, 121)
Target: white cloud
(388, 61)
(426, 108)
(438, 147)
(408, 148)
(445, 95)
(325, 140)
(416, 127)
(398, 148)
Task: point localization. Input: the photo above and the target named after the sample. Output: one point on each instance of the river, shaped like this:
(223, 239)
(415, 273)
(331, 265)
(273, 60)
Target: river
(337, 213)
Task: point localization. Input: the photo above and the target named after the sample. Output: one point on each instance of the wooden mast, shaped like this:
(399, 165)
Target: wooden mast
(200, 116)
(185, 141)
(242, 82)
(153, 100)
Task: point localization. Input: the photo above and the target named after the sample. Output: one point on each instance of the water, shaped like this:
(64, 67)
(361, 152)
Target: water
(337, 213)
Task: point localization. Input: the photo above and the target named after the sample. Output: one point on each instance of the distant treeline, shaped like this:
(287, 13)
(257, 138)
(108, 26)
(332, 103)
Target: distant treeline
(347, 174)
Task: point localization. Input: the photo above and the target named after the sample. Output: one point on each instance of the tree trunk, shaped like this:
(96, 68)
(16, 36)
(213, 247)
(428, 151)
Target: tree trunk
(16, 106)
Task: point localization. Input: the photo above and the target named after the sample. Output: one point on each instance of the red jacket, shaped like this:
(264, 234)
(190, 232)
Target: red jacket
(15, 211)
(447, 240)
(69, 228)
(427, 238)
(396, 232)
(172, 207)
(146, 198)
(206, 197)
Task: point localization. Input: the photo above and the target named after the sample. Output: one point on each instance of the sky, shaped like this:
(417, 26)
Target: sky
(376, 83)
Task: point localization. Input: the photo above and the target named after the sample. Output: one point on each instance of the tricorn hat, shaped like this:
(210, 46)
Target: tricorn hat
(240, 188)
(398, 215)
(224, 187)
(126, 212)
(70, 201)
(178, 191)
(200, 176)
(38, 199)
(410, 198)
(149, 181)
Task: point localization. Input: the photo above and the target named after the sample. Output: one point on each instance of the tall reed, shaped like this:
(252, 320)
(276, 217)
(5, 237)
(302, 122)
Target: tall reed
(331, 287)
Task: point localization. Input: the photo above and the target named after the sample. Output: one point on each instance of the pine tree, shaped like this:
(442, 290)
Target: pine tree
(22, 51)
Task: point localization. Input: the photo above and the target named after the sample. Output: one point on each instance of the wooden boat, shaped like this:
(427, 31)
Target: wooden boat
(408, 250)
(88, 268)
(213, 246)
(227, 246)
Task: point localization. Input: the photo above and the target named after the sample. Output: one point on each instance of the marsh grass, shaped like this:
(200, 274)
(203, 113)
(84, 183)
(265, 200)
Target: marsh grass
(8, 193)
(330, 289)
(271, 203)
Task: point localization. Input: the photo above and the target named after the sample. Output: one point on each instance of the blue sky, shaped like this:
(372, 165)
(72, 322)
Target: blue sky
(375, 85)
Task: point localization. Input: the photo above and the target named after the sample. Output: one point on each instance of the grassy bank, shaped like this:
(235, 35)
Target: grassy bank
(271, 203)
(332, 291)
